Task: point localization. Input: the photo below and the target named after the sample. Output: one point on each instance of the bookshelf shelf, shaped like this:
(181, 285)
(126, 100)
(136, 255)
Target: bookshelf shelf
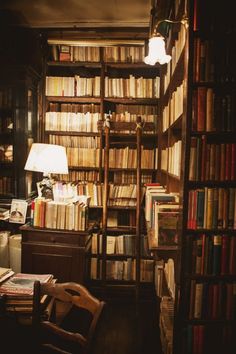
(70, 133)
(73, 99)
(141, 101)
(118, 97)
(74, 64)
(208, 122)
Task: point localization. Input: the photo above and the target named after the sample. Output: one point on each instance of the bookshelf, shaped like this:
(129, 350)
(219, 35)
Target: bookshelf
(204, 315)
(84, 87)
(18, 129)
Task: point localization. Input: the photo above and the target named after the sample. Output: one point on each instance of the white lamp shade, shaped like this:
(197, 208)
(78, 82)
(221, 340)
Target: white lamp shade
(47, 158)
(156, 51)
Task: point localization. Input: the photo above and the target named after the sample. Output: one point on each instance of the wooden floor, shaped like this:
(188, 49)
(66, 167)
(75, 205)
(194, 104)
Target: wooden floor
(128, 329)
(125, 328)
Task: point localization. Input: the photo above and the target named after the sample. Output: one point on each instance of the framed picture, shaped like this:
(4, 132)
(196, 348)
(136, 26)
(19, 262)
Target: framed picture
(18, 211)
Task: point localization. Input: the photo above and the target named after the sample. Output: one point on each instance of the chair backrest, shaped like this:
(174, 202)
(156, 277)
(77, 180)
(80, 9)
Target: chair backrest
(76, 327)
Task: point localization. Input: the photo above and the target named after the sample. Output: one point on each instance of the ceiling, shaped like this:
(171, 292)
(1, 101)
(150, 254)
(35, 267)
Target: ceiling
(77, 13)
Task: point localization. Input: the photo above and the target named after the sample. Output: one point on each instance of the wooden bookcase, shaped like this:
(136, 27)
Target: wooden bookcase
(106, 81)
(18, 128)
(204, 315)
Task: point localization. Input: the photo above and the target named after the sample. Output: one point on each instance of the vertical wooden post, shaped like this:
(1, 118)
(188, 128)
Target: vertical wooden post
(138, 208)
(105, 197)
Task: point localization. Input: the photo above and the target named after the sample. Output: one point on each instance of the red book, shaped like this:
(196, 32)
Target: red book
(229, 301)
(222, 161)
(224, 255)
(195, 339)
(201, 330)
(232, 255)
(233, 157)
(197, 55)
(201, 114)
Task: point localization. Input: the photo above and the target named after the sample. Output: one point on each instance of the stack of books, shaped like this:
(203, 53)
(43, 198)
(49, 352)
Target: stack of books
(19, 291)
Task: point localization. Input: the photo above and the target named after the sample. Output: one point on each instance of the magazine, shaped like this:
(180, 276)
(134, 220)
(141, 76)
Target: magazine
(23, 283)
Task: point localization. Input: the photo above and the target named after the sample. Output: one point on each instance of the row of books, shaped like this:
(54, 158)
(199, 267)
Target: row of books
(211, 161)
(208, 339)
(120, 109)
(83, 157)
(174, 154)
(211, 254)
(125, 195)
(79, 176)
(209, 300)
(136, 109)
(122, 270)
(114, 87)
(124, 244)
(73, 107)
(126, 177)
(88, 142)
(92, 54)
(70, 121)
(132, 87)
(59, 215)
(127, 158)
(75, 53)
(174, 109)
(212, 111)
(203, 68)
(212, 208)
(176, 52)
(171, 158)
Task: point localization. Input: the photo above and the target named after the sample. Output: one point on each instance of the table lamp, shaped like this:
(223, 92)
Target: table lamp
(47, 158)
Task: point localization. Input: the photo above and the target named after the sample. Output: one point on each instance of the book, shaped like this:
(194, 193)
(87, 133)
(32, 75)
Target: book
(18, 211)
(166, 224)
(23, 283)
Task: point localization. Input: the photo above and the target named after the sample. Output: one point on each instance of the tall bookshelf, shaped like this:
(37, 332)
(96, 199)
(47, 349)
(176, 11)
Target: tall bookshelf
(18, 128)
(172, 156)
(85, 86)
(205, 303)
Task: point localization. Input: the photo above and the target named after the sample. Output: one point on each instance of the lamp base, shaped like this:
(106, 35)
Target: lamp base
(46, 187)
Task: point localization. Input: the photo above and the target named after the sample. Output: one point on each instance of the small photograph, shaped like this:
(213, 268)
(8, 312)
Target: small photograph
(18, 211)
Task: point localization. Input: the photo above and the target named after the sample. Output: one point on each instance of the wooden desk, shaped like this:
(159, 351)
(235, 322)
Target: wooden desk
(61, 253)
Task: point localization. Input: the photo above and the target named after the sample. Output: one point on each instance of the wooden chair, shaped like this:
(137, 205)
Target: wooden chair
(72, 320)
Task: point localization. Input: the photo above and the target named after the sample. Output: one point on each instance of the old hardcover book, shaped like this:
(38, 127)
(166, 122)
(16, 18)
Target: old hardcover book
(166, 224)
